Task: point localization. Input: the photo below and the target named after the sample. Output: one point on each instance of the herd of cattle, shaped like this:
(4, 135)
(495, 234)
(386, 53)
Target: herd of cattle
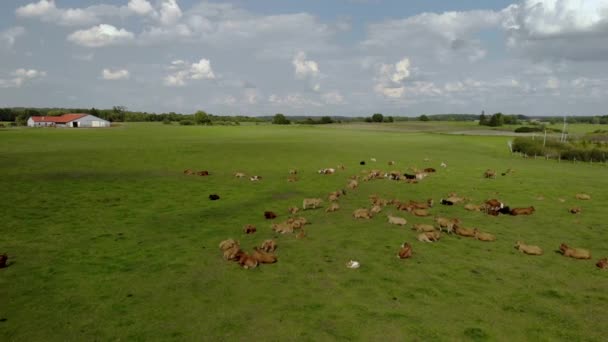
(428, 233)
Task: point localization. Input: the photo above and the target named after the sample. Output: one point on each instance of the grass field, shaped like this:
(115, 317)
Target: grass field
(108, 240)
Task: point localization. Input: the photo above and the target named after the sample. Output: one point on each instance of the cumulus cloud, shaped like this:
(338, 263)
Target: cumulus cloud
(170, 12)
(141, 7)
(307, 70)
(113, 75)
(553, 29)
(183, 71)
(20, 77)
(390, 78)
(438, 35)
(47, 11)
(9, 36)
(101, 35)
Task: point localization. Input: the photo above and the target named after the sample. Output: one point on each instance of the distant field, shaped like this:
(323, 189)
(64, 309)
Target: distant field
(109, 240)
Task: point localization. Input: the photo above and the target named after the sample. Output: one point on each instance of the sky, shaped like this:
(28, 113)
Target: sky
(313, 57)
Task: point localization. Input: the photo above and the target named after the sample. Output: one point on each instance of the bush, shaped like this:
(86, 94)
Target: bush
(166, 121)
(186, 122)
(525, 129)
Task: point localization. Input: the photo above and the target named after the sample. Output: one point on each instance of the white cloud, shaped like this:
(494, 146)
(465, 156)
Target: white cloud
(101, 35)
(141, 7)
(401, 70)
(390, 78)
(39, 9)
(554, 29)
(183, 71)
(113, 75)
(20, 77)
(304, 68)
(170, 12)
(9, 36)
(47, 11)
(295, 100)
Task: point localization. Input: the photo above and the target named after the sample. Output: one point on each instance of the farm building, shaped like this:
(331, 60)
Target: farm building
(67, 120)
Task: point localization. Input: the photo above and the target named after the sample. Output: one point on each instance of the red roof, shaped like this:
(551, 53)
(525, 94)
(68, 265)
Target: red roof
(58, 119)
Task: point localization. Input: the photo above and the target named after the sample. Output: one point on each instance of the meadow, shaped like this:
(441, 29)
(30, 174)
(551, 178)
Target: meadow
(108, 239)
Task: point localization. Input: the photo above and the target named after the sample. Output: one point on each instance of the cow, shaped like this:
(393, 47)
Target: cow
(602, 263)
(255, 178)
(249, 229)
(575, 210)
(373, 159)
(528, 249)
(493, 206)
(362, 214)
(353, 184)
(230, 248)
(332, 207)
(269, 246)
(443, 164)
(282, 228)
(583, 197)
(446, 202)
(375, 209)
(188, 172)
(342, 167)
(293, 171)
(293, 210)
(420, 212)
(400, 221)
(239, 175)
(472, 207)
(421, 227)
(466, 232)
(246, 261)
(3, 260)
(214, 197)
(577, 253)
(421, 175)
(481, 236)
(202, 173)
(429, 170)
(313, 203)
(446, 224)
(263, 257)
(429, 237)
(362, 163)
(405, 251)
(489, 174)
(292, 179)
(391, 162)
(327, 171)
(269, 215)
(522, 211)
(409, 176)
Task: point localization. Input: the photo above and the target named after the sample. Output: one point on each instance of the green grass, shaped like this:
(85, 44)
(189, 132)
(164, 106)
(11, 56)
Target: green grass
(109, 240)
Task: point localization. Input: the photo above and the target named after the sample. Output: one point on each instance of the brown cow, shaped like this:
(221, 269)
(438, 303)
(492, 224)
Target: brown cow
(269, 246)
(332, 207)
(421, 227)
(466, 232)
(522, 211)
(577, 253)
(602, 264)
(3, 260)
(429, 237)
(202, 173)
(249, 229)
(269, 215)
(293, 210)
(362, 214)
(528, 249)
(188, 172)
(405, 251)
(472, 207)
(489, 174)
(484, 236)
(575, 210)
(263, 257)
(246, 261)
(430, 170)
(583, 197)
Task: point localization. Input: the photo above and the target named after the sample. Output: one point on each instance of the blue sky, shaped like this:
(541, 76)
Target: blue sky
(341, 57)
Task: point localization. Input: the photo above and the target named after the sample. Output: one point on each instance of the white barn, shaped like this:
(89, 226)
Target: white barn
(73, 120)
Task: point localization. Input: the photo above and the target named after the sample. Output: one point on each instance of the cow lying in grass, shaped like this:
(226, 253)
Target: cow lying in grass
(230, 248)
(576, 253)
(602, 264)
(249, 229)
(522, 211)
(493, 207)
(332, 207)
(400, 221)
(293, 210)
(405, 251)
(462, 231)
(214, 197)
(327, 171)
(293, 171)
(481, 236)
(353, 184)
(239, 175)
(429, 237)
(263, 257)
(489, 174)
(583, 197)
(472, 207)
(246, 261)
(362, 214)
(3, 260)
(575, 210)
(313, 203)
(528, 249)
(202, 173)
(188, 172)
(269, 215)
(421, 227)
(255, 178)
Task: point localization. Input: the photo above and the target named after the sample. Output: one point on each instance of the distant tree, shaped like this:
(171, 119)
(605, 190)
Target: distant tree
(326, 120)
(280, 119)
(389, 119)
(368, 119)
(186, 122)
(202, 118)
(377, 117)
(483, 120)
(423, 117)
(118, 113)
(21, 119)
(496, 120)
(166, 121)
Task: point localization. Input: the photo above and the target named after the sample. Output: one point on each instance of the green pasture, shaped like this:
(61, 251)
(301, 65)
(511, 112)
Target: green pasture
(108, 239)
